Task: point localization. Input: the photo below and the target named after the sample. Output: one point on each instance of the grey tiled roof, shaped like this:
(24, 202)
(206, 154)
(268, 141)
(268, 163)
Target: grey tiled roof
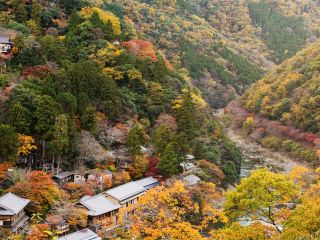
(84, 234)
(98, 204)
(11, 204)
(125, 191)
(145, 182)
(4, 39)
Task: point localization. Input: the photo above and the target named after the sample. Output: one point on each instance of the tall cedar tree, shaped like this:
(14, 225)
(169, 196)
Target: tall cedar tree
(88, 119)
(186, 120)
(169, 162)
(96, 20)
(8, 143)
(20, 11)
(60, 142)
(110, 98)
(45, 114)
(19, 118)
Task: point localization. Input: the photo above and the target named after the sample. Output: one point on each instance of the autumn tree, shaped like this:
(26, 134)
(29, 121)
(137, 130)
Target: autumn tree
(121, 177)
(26, 146)
(259, 197)
(78, 190)
(139, 167)
(256, 231)
(38, 232)
(78, 218)
(164, 212)
(40, 189)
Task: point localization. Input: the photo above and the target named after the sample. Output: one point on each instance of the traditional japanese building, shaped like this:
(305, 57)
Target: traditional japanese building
(84, 234)
(5, 44)
(127, 195)
(101, 210)
(63, 178)
(12, 212)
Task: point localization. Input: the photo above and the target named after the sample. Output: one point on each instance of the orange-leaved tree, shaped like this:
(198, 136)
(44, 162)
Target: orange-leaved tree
(40, 189)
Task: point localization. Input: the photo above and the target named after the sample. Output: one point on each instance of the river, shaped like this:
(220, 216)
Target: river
(255, 155)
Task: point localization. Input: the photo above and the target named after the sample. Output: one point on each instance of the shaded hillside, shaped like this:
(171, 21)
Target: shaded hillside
(290, 93)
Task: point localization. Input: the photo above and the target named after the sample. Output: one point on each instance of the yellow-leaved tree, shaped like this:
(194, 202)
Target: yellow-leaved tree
(263, 196)
(26, 145)
(176, 212)
(105, 16)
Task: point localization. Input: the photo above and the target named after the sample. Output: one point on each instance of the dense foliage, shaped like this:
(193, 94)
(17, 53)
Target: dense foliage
(290, 93)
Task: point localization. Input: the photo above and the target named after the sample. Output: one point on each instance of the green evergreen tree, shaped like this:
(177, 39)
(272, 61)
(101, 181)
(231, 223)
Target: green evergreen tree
(20, 11)
(45, 114)
(110, 98)
(108, 30)
(186, 118)
(169, 163)
(74, 20)
(20, 118)
(135, 140)
(96, 20)
(88, 119)
(161, 137)
(60, 142)
(8, 143)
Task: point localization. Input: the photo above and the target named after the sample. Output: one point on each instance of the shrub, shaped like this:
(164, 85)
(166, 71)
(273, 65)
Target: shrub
(248, 125)
(271, 142)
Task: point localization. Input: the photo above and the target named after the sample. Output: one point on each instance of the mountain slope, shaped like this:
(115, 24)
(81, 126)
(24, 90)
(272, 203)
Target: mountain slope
(291, 92)
(223, 45)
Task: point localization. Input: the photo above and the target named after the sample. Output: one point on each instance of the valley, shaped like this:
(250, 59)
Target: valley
(159, 119)
(254, 154)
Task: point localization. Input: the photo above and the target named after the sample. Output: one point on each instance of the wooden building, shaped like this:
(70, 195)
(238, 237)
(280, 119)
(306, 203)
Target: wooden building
(127, 195)
(63, 178)
(101, 211)
(12, 212)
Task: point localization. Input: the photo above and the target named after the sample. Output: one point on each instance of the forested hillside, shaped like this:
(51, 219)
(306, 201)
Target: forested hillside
(79, 91)
(291, 92)
(224, 46)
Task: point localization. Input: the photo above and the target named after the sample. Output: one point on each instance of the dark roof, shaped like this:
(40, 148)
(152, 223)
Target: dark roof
(63, 175)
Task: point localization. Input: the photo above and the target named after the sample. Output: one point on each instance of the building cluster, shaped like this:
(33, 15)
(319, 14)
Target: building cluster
(104, 210)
